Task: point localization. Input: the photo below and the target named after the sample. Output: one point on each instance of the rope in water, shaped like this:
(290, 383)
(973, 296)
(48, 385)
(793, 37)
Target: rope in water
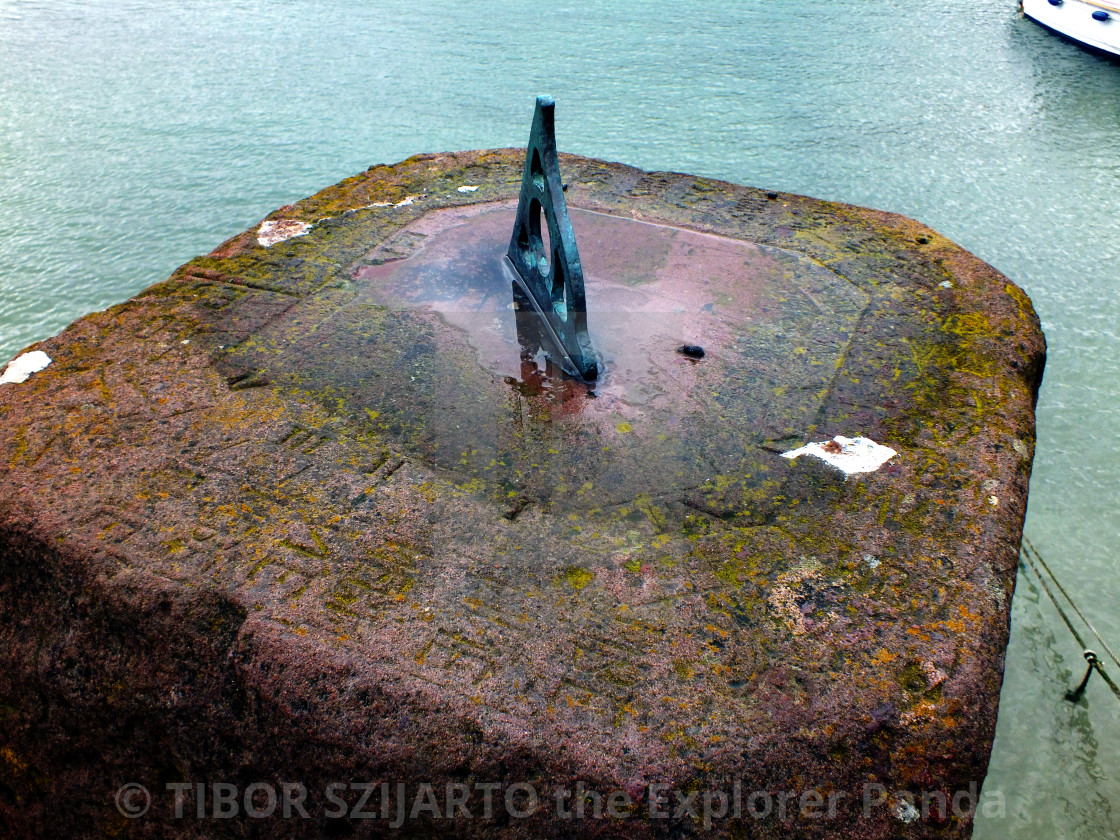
(1029, 547)
(1029, 555)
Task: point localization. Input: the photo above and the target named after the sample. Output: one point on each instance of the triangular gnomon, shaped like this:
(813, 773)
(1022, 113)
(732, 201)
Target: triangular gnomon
(545, 255)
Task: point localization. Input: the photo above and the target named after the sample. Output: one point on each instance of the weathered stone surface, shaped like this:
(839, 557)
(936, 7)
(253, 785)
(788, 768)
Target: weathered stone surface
(263, 524)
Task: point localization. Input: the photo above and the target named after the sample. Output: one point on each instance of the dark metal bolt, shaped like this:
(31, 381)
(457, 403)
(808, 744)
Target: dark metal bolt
(693, 351)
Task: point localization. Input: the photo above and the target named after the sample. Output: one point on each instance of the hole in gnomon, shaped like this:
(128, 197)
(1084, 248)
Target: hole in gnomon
(539, 239)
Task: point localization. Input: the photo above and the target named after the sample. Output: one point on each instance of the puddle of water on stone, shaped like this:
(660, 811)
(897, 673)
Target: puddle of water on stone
(650, 289)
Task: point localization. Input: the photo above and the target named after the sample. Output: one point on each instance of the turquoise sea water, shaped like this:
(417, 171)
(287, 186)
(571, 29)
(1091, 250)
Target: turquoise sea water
(136, 134)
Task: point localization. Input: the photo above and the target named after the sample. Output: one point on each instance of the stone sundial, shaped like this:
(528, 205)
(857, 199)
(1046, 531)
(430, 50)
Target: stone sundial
(335, 503)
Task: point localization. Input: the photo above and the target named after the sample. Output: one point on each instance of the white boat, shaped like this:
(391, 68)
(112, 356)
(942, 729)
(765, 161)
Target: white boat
(1092, 23)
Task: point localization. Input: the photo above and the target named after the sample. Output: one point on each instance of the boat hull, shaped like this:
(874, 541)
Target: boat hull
(1075, 20)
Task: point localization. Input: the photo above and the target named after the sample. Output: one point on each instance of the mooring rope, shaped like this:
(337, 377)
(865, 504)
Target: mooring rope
(1029, 555)
(1036, 556)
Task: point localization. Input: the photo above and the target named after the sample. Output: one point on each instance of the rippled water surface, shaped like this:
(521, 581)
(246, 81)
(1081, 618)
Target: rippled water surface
(134, 135)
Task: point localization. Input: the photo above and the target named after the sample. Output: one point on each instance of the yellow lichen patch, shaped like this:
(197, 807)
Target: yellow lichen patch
(968, 323)
(475, 485)
(241, 414)
(924, 712)
(20, 449)
(917, 631)
(734, 572)
(422, 654)
(575, 577)
(974, 617)
(883, 656)
(13, 760)
(1020, 298)
(644, 503)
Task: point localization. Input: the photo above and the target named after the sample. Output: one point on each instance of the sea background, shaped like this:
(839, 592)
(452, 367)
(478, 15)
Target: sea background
(135, 135)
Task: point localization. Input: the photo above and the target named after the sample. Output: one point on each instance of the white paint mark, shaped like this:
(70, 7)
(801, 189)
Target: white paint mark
(945, 284)
(467, 189)
(905, 811)
(21, 367)
(404, 202)
(277, 231)
(185, 341)
(872, 561)
(849, 455)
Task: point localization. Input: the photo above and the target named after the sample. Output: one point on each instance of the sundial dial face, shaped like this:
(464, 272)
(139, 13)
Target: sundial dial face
(465, 388)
